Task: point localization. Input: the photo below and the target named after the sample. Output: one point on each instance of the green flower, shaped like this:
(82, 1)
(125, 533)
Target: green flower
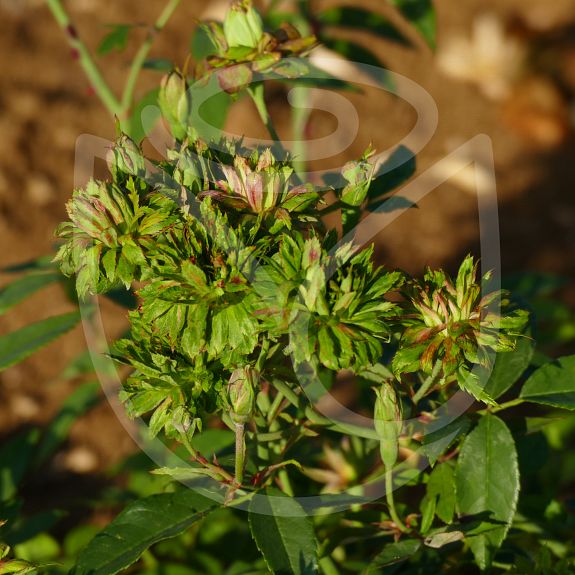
(332, 305)
(107, 228)
(451, 322)
(263, 186)
(179, 392)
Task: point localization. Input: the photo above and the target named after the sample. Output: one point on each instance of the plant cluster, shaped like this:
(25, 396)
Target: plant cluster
(249, 313)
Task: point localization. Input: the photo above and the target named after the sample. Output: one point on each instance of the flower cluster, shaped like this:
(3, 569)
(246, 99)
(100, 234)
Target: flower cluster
(232, 261)
(240, 283)
(243, 49)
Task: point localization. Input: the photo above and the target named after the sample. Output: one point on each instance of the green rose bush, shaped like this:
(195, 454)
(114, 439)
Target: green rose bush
(251, 311)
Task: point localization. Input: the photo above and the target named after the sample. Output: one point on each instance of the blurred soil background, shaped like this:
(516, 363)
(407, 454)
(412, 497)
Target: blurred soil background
(505, 68)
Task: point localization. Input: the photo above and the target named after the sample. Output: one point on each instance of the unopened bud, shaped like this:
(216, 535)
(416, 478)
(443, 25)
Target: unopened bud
(388, 423)
(175, 103)
(358, 175)
(13, 566)
(241, 393)
(233, 79)
(127, 158)
(243, 25)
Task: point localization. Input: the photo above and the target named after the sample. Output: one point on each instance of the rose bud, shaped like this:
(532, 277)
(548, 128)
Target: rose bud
(175, 103)
(388, 423)
(241, 393)
(243, 25)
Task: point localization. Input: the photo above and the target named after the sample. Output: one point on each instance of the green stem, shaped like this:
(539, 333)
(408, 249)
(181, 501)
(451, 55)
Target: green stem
(142, 54)
(275, 406)
(86, 61)
(390, 502)
(502, 406)
(196, 456)
(263, 355)
(285, 482)
(287, 392)
(110, 101)
(428, 383)
(341, 427)
(327, 566)
(256, 92)
(317, 419)
(273, 425)
(299, 119)
(240, 453)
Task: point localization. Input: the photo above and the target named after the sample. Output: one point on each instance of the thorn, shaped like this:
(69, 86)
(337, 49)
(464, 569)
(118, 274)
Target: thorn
(72, 32)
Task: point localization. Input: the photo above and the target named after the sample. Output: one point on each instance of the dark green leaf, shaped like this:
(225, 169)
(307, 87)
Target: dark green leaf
(15, 458)
(394, 172)
(123, 297)
(41, 264)
(159, 64)
(24, 287)
(393, 553)
(80, 365)
(427, 508)
(84, 398)
(509, 367)
(140, 122)
(201, 44)
(16, 346)
(421, 14)
(352, 17)
(553, 384)
(116, 39)
(137, 527)
(487, 483)
(441, 486)
(284, 535)
(356, 53)
(30, 527)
